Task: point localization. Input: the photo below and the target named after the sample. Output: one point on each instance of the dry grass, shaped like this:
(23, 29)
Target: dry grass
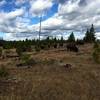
(48, 80)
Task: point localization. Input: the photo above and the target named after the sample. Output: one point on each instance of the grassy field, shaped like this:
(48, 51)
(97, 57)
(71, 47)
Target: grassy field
(48, 79)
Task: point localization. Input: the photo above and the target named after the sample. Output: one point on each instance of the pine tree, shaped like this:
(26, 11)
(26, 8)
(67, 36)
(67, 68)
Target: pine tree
(90, 35)
(87, 36)
(71, 38)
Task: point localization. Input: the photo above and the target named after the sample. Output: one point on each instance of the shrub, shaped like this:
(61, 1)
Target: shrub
(79, 42)
(96, 55)
(30, 62)
(37, 48)
(96, 45)
(96, 52)
(26, 60)
(3, 72)
(0, 52)
(19, 51)
(61, 44)
(42, 47)
(50, 61)
(48, 46)
(25, 57)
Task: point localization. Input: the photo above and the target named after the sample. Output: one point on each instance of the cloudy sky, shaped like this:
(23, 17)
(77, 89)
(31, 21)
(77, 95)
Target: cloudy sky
(19, 19)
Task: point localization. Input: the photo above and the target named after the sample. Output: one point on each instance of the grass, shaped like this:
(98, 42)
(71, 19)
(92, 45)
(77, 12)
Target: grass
(47, 80)
(3, 72)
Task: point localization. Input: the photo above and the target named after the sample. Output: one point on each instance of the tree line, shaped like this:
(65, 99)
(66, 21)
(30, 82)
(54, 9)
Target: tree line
(48, 42)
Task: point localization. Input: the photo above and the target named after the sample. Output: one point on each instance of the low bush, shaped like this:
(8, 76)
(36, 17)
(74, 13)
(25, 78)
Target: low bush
(96, 55)
(19, 51)
(3, 72)
(37, 48)
(79, 42)
(50, 61)
(96, 45)
(25, 57)
(30, 62)
(61, 44)
(26, 60)
(96, 52)
(0, 52)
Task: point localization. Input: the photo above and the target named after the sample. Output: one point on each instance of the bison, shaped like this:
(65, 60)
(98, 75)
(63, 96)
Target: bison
(72, 47)
(67, 66)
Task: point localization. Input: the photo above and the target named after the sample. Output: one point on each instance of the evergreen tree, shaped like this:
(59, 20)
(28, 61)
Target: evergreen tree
(87, 36)
(90, 35)
(71, 38)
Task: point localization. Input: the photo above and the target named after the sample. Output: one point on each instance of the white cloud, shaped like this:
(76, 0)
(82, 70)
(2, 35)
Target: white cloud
(40, 6)
(68, 7)
(53, 21)
(72, 15)
(14, 14)
(98, 35)
(8, 20)
(20, 2)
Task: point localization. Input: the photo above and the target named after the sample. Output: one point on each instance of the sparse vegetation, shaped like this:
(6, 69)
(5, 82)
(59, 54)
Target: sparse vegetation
(96, 52)
(26, 60)
(96, 45)
(0, 52)
(37, 48)
(19, 51)
(50, 61)
(3, 71)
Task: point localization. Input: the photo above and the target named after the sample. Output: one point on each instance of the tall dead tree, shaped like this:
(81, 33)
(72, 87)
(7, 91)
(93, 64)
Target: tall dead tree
(40, 27)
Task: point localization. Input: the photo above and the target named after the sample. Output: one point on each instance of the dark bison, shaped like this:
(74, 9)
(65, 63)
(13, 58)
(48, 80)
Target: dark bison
(67, 66)
(80, 42)
(55, 45)
(72, 47)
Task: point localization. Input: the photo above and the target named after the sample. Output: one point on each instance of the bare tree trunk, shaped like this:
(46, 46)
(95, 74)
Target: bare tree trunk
(40, 27)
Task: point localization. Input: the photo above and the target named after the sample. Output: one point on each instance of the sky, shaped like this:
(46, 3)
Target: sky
(19, 19)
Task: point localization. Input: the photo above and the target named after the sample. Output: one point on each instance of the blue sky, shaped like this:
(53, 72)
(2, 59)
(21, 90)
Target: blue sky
(19, 19)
